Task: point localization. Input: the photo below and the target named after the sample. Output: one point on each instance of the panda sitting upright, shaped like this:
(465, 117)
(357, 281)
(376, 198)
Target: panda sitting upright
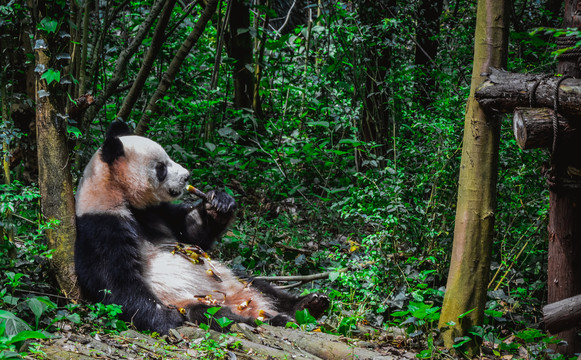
(137, 249)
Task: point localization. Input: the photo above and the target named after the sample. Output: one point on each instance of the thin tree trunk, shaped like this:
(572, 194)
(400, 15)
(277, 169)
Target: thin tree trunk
(7, 232)
(174, 67)
(82, 74)
(427, 46)
(256, 101)
(55, 180)
(156, 44)
(240, 49)
(470, 262)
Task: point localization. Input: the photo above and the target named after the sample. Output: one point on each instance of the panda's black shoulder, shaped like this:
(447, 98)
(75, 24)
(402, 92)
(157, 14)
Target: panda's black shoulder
(109, 229)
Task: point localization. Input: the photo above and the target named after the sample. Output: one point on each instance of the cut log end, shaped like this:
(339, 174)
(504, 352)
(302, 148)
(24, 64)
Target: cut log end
(520, 131)
(533, 128)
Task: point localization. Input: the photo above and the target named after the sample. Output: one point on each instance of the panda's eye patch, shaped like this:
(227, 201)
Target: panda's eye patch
(161, 171)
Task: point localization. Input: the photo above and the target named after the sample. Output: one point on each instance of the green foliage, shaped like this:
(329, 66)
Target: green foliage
(48, 25)
(106, 317)
(51, 75)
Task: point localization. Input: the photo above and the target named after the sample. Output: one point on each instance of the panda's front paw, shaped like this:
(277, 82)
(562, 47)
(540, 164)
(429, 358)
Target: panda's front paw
(221, 202)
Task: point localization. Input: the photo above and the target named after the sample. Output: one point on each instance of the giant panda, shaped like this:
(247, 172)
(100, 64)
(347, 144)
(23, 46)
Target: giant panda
(137, 248)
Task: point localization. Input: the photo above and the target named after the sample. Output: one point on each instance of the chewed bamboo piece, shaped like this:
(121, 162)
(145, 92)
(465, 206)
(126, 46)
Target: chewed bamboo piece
(199, 193)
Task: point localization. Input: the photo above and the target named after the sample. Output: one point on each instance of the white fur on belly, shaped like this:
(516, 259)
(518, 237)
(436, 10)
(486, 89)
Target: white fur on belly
(177, 281)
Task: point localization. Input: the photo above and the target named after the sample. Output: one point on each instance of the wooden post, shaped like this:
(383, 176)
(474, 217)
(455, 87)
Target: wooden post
(564, 272)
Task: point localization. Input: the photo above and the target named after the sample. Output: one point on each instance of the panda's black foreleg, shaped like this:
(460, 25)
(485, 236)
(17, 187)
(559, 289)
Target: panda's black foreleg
(288, 303)
(207, 222)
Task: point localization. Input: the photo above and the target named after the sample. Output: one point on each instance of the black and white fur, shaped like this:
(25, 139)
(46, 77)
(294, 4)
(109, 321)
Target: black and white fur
(127, 231)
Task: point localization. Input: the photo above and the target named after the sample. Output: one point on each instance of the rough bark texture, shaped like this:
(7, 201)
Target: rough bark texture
(568, 61)
(563, 314)
(169, 76)
(55, 181)
(533, 128)
(503, 91)
(470, 261)
(564, 252)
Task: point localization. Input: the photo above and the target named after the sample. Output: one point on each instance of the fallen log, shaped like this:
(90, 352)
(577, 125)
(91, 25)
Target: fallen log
(277, 342)
(533, 128)
(504, 91)
(563, 314)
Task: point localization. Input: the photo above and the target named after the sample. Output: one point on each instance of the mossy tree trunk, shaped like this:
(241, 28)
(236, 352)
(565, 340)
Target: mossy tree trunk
(55, 180)
(470, 262)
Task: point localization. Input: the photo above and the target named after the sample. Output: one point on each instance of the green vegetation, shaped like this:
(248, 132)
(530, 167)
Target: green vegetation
(315, 193)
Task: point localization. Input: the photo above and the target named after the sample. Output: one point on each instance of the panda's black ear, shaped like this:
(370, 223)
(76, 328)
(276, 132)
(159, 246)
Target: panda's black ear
(116, 129)
(112, 149)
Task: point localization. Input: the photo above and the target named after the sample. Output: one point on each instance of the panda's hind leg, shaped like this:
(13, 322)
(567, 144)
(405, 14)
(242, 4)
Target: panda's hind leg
(288, 303)
(315, 303)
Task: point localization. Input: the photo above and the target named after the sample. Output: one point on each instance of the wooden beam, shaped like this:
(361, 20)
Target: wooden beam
(503, 91)
(563, 314)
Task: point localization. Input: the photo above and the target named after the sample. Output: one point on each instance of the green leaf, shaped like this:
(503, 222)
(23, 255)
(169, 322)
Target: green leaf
(74, 131)
(47, 24)
(224, 322)
(213, 310)
(461, 316)
(400, 313)
(334, 276)
(25, 335)
(37, 307)
(303, 317)
(459, 341)
(350, 141)
(318, 123)
(13, 324)
(51, 75)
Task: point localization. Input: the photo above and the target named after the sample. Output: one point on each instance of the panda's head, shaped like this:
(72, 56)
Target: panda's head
(129, 171)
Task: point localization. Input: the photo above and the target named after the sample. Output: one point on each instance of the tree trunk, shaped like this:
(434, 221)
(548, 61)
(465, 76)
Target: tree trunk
(376, 121)
(564, 270)
(427, 32)
(564, 251)
(470, 261)
(55, 181)
(174, 66)
(240, 49)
